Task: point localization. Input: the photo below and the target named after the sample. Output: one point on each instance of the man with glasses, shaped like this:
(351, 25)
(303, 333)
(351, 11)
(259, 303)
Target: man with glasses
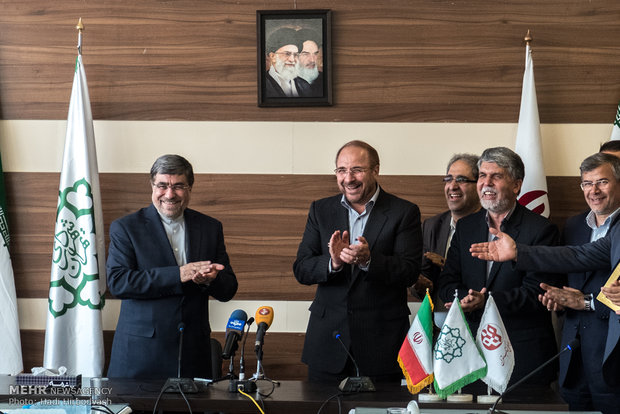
(462, 199)
(164, 262)
(500, 176)
(586, 318)
(361, 249)
(282, 80)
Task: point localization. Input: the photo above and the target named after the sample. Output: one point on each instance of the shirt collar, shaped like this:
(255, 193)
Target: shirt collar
(591, 219)
(368, 205)
(505, 219)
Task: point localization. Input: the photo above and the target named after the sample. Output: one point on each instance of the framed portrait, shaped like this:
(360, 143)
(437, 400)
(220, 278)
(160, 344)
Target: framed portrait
(294, 57)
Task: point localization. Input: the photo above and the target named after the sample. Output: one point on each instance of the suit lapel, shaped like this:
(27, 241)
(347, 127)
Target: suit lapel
(192, 237)
(156, 228)
(512, 228)
(373, 228)
(444, 232)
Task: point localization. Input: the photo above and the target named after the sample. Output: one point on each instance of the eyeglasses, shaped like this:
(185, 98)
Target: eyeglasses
(459, 180)
(177, 188)
(288, 54)
(352, 171)
(587, 185)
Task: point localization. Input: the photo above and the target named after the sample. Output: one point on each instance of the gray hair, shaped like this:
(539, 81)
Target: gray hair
(470, 159)
(600, 158)
(173, 164)
(506, 159)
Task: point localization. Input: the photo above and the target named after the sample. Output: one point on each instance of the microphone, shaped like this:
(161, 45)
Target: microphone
(571, 346)
(234, 331)
(179, 384)
(243, 384)
(357, 383)
(264, 318)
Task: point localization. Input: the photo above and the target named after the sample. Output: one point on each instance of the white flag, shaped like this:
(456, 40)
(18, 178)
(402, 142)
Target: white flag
(615, 128)
(493, 341)
(528, 145)
(10, 344)
(458, 361)
(74, 336)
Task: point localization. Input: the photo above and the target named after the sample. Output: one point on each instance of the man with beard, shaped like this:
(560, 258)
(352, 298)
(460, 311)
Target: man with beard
(281, 80)
(528, 323)
(308, 65)
(361, 249)
(462, 199)
(164, 262)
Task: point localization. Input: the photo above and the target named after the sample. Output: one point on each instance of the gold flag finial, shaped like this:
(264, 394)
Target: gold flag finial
(528, 38)
(79, 27)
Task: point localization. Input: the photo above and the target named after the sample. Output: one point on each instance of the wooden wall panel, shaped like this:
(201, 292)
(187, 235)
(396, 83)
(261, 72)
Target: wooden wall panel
(281, 360)
(400, 60)
(262, 227)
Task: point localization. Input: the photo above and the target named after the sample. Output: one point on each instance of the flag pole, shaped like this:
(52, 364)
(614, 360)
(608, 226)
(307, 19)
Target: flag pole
(79, 27)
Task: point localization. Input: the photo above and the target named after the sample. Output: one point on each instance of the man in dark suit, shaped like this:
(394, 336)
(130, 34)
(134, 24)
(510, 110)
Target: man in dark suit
(601, 254)
(361, 249)
(437, 231)
(527, 322)
(586, 318)
(164, 261)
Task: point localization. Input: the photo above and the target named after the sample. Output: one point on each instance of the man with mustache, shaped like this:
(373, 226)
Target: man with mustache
(462, 200)
(309, 62)
(528, 323)
(164, 262)
(282, 80)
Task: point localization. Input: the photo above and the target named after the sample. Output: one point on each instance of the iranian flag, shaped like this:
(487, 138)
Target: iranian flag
(10, 345)
(528, 145)
(74, 336)
(416, 354)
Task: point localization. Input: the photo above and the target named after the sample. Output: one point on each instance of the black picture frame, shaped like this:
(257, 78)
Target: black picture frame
(299, 84)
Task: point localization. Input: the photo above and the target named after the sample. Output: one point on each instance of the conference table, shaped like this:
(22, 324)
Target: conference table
(294, 397)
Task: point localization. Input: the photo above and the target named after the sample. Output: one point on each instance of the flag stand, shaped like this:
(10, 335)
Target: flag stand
(460, 397)
(487, 399)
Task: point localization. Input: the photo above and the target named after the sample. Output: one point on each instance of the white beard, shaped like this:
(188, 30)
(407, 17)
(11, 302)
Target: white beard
(287, 72)
(309, 75)
(495, 206)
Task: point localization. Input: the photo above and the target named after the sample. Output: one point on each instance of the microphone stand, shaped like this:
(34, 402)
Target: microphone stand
(574, 344)
(357, 383)
(243, 384)
(179, 384)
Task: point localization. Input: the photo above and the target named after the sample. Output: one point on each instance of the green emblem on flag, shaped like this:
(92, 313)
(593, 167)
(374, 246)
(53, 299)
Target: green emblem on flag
(75, 272)
(450, 344)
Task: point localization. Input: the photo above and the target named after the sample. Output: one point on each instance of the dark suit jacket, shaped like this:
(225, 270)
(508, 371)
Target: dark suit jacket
(591, 327)
(601, 254)
(435, 232)
(143, 272)
(516, 293)
(369, 309)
